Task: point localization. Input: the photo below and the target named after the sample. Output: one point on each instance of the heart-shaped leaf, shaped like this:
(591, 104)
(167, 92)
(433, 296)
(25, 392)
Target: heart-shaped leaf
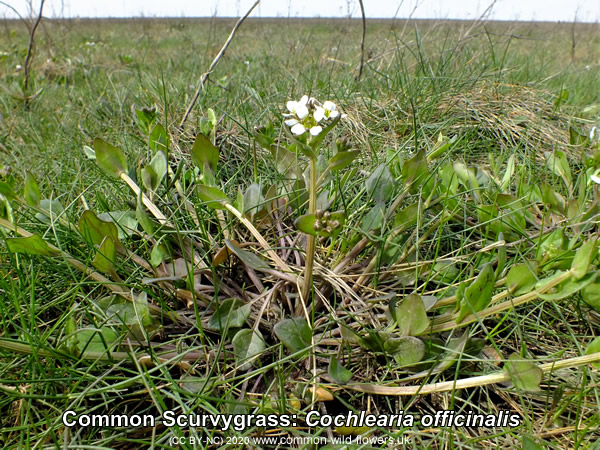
(231, 313)
(476, 295)
(105, 256)
(214, 197)
(410, 315)
(97, 340)
(338, 372)
(32, 245)
(294, 333)
(591, 295)
(521, 278)
(95, 229)
(415, 171)
(153, 174)
(248, 258)
(380, 184)
(246, 345)
(32, 192)
(594, 347)
(523, 374)
(204, 153)
(341, 160)
(109, 158)
(158, 140)
(406, 350)
(583, 258)
(373, 220)
(253, 199)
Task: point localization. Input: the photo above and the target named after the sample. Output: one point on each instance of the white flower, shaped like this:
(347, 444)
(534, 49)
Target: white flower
(298, 129)
(299, 109)
(316, 130)
(595, 179)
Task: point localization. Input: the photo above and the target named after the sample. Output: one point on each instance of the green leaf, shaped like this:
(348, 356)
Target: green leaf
(552, 199)
(594, 347)
(126, 221)
(380, 185)
(32, 192)
(410, 315)
(524, 374)
(407, 217)
(109, 158)
(577, 138)
(253, 199)
(53, 208)
(477, 295)
(329, 225)
(205, 153)
(591, 295)
(231, 313)
(214, 197)
(158, 254)
(265, 136)
(144, 119)
(337, 372)
(153, 174)
(197, 385)
(316, 140)
(97, 340)
(158, 140)
(248, 258)
(95, 229)
(521, 278)
(569, 287)
(294, 333)
(558, 164)
(508, 175)
(246, 345)
(373, 220)
(89, 152)
(32, 245)
(415, 170)
(106, 256)
(342, 160)
(530, 443)
(305, 149)
(7, 190)
(406, 350)
(583, 258)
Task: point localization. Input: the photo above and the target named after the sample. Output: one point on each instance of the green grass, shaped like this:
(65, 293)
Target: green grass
(492, 86)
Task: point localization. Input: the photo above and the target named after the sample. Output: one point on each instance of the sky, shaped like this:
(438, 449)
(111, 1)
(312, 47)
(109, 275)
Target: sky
(539, 10)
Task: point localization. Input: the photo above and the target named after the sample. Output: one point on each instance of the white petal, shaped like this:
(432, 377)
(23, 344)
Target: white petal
(301, 111)
(291, 122)
(291, 105)
(298, 129)
(319, 114)
(329, 105)
(316, 130)
(304, 100)
(595, 179)
(344, 116)
(333, 114)
(593, 133)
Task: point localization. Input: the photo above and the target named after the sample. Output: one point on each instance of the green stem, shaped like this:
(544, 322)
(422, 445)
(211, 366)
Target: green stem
(311, 242)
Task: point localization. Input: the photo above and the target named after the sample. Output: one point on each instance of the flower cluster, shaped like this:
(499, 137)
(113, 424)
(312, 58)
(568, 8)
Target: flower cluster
(309, 114)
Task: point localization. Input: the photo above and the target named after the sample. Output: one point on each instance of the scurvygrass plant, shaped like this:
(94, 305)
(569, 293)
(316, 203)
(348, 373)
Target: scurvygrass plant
(397, 252)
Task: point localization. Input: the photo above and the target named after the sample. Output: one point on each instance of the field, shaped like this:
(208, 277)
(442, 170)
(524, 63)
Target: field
(437, 250)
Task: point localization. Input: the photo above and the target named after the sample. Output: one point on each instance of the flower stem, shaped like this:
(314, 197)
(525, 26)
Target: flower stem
(311, 243)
